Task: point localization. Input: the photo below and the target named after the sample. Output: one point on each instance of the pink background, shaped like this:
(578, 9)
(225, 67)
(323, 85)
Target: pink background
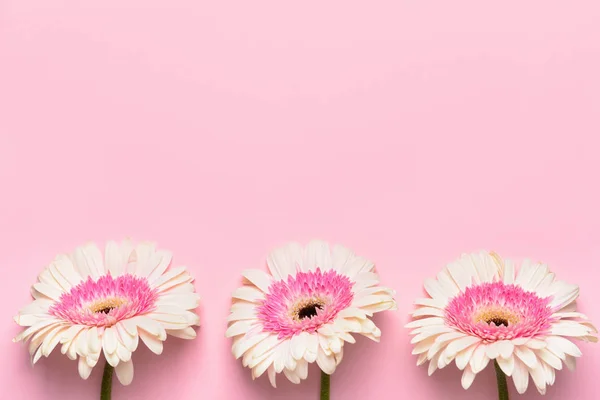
(410, 131)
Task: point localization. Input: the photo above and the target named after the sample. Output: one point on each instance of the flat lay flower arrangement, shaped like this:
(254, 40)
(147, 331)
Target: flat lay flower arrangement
(304, 307)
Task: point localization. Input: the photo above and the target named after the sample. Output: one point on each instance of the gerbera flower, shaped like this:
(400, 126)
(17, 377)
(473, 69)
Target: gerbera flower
(304, 310)
(94, 305)
(482, 308)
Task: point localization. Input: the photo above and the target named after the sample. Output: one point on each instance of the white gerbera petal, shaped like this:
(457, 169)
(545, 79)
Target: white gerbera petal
(526, 355)
(468, 377)
(520, 377)
(284, 261)
(88, 261)
(258, 278)
(356, 265)
(304, 310)
(123, 353)
(485, 309)
(114, 258)
(292, 376)
(326, 362)
(93, 338)
(84, 369)
(460, 274)
(317, 255)
(109, 340)
(507, 365)
(340, 256)
(152, 342)
(50, 292)
(508, 273)
(65, 267)
(563, 346)
(461, 344)
(63, 284)
(538, 377)
(124, 372)
(97, 306)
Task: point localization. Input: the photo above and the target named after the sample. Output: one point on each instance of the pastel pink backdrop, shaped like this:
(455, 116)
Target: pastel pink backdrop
(410, 131)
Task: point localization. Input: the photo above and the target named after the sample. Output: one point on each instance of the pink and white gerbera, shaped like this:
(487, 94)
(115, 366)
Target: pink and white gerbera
(482, 308)
(304, 309)
(93, 304)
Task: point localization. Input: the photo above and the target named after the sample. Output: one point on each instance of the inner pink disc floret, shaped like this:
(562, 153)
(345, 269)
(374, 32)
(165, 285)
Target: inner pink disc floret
(278, 311)
(127, 295)
(532, 314)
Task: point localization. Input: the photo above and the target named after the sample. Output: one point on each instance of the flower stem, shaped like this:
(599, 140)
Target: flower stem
(325, 386)
(502, 386)
(105, 392)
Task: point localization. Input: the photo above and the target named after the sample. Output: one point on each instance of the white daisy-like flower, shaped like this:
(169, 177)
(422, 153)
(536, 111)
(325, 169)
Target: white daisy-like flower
(96, 305)
(309, 304)
(482, 308)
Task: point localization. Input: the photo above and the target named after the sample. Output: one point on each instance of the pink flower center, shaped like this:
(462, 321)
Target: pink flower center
(304, 302)
(496, 311)
(106, 301)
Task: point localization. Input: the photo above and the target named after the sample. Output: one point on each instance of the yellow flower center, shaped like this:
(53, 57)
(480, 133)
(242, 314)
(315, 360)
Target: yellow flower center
(306, 308)
(497, 316)
(106, 305)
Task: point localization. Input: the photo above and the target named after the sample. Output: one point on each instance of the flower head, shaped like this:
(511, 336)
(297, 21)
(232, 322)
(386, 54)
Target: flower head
(482, 308)
(93, 304)
(304, 309)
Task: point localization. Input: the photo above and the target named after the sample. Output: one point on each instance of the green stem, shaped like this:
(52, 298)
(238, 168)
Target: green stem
(502, 386)
(105, 392)
(324, 386)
